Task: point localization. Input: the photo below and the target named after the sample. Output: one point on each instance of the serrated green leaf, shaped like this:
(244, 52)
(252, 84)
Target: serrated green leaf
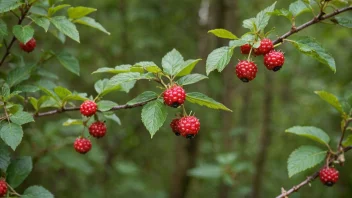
(11, 134)
(303, 158)
(48, 101)
(62, 92)
(18, 171)
(50, 93)
(21, 117)
(190, 79)
(298, 7)
(144, 97)
(331, 99)
(23, 33)
(7, 5)
(153, 116)
(206, 171)
(70, 122)
(186, 67)
(218, 59)
(53, 10)
(106, 105)
(91, 23)
(312, 48)
(262, 18)
(310, 132)
(41, 21)
(172, 60)
(344, 21)
(282, 12)
(3, 28)
(36, 192)
(69, 62)
(250, 24)
(5, 157)
(237, 43)
(79, 12)
(203, 100)
(65, 26)
(223, 33)
(18, 75)
(148, 66)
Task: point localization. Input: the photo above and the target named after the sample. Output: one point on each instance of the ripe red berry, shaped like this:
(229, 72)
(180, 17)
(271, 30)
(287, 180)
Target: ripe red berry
(82, 145)
(266, 45)
(246, 70)
(245, 49)
(29, 46)
(174, 126)
(174, 96)
(88, 108)
(3, 188)
(274, 60)
(97, 129)
(189, 126)
(329, 176)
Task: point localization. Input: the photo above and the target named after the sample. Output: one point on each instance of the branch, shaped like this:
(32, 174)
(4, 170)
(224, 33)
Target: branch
(309, 179)
(315, 20)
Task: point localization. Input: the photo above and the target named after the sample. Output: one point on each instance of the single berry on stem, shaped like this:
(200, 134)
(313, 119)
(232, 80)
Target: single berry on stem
(246, 70)
(97, 129)
(329, 176)
(88, 108)
(266, 45)
(29, 46)
(274, 60)
(174, 126)
(189, 126)
(3, 187)
(82, 145)
(174, 96)
(245, 49)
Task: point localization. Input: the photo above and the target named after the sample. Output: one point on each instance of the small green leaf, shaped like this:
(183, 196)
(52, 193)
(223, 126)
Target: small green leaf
(27, 88)
(11, 134)
(5, 91)
(48, 101)
(66, 27)
(3, 28)
(7, 5)
(91, 23)
(331, 99)
(23, 33)
(218, 59)
(148, 66)
(282, 12)
(190, 79)
(36, 192)
(144, 97)
(112, 116)
(153, 116)
(313, 133)
(237, 43)
(41, 21)
(79, 12)
(5, 157)
(172, 60)
(347, 141)
(106, 105)
(262, 18)
(117, 70)
(298, 7)
(18, 171)
(53, 10)
(34, 103)
(69, 62)
(250, 24)
(206, 171)
(62, 92)
(222, 33)
(18, 75)
(343, 21)
(203, 100)
(21, 117)
(303, 158)
(186, 67)
(70, 122)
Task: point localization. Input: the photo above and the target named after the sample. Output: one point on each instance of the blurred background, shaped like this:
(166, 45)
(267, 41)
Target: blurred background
(239, 154)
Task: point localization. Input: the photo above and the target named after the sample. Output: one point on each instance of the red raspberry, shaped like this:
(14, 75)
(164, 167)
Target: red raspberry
(29, 46)
(266, 45)
(246, 70)
(174, 96)
(329, 176)
(88, 108)
(97, 129)
(82, 145)
(245, 49)
(189, 126)
(274, 60)
(3, 188)
(174, 126)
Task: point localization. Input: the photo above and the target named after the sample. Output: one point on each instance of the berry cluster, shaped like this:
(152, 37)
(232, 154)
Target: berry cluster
(329, 176)
(273, 60)
(3, 188)
(187, 126)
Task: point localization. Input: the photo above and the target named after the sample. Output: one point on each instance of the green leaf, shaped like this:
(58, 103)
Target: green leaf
(21, 117)
(282, 12)
(172, 60)
(250, 24)
(144, 97)
(343, 21)
(62, 92)
(23, 33)
(48, 101)
(91, 23)
(3, 28)
(303, 158)
(347, 141)
(203, 100)
(7, 5)
(237, 43)
(36, 192)
(124, 81)
(70, 122)
(298, 7)
(50, 93)
(41, 21)
(190, 79)
(218, 59)
(5, 91)
(222, 33)
(66, 27)
(331, 99)
(69, 62)
(79, 12)
(112, 116)
(186, 67)
(11, 134)
(106, 105)
(18, 75)
(153, 116)
(262, 18)
(5, 157)
(310, 132)
(27, 88)
(55, 9)
(34, 103)
(312, 48)
(18, 171)
(118, 69)
(148, 66)
(75, 96)
(206, 171)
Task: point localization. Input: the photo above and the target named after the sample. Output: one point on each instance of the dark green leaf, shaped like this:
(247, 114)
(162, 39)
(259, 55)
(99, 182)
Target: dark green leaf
(21, 117)
(7, 5)
(3, 28)
(144, 97)
(27, 88)
(36, 192)
(153, 116)
(331, 99)
(343, 21)
(203, 100)
(69, 62)
(5, 91)
(11, 134)
(310, 132)
(172, 60)
(18, 170)
(218, 59)
(262, 18)
(66, 27)
(112, 116)
(298, 7)
(79, 12)
(105, 105)
(4, 157)
(91, 23)
(23, 33)
(18, 75)
(347, 141)
(190, 79)
(223, 33)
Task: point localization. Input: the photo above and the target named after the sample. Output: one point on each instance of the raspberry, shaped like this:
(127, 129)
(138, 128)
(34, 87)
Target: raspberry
(274, 60)
(266, 45)
(246, 70)
(3, 188)
(245, 49)
(188, 126)
(29, 46)
(88, 108)
(82, 145)
(97, 129)
(174, 126)
(174, 96)
(329, 176)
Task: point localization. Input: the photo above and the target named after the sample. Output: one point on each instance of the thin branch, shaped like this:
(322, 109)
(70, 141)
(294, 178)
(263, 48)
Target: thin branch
(343, 132)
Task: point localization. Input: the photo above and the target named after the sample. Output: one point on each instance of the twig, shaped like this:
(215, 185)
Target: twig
(343, 132)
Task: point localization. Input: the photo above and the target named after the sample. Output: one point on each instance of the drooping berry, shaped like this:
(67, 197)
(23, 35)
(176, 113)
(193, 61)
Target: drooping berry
(82, 145)
(274, 60)
(174, 96)
(174, 126)
(3, 188)
(246, 70)
(29, 46)
(245, 49)
(88, 108)
(329, 176)
(97, 129)
(189, 126)
(266, 45)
